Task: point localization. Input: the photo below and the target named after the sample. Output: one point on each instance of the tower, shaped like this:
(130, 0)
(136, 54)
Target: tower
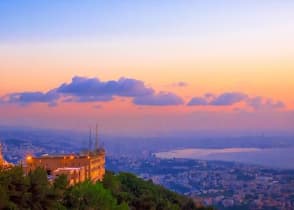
(90, 141)
(96, 139)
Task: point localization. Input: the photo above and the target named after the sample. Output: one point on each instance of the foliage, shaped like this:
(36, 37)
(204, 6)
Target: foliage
(26, 192)
(140, 194)
(90, 196)
(117, 192)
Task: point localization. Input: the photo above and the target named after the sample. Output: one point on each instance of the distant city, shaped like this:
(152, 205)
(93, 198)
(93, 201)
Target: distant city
(223, 184)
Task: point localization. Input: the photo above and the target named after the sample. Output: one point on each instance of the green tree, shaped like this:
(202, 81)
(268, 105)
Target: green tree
(42, 194)
(15, 185)
(4, 199)
(89, 196)
(112, 183)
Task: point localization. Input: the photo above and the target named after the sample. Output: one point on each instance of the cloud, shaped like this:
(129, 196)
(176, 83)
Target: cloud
(209, 95)
(83, 89)
(227, 99)
(224, 99)
(86, 90)
(198, 101)
(84, 99)
(182, 84)
(25, 98)
(260, 103)
(92, 88)
(160, 99)
(179, 84)
(231, 98)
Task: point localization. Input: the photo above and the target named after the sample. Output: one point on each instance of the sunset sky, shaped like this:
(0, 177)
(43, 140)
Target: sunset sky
(148, 67)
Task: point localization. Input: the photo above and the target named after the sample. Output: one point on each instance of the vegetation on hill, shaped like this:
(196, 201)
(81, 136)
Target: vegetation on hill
(117, 192)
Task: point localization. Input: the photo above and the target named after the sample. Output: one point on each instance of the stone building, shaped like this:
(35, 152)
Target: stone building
(78, 167)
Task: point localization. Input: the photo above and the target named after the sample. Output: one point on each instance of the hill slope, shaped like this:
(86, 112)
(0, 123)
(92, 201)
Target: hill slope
(117, 192)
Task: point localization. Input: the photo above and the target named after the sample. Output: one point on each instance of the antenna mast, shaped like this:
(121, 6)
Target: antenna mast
(90, 140)
(96, 138)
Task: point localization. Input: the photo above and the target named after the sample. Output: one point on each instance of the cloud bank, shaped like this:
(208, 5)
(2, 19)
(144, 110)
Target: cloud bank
(260, 103)
(83, 89)
(86, 90)
(25, 98)
(81, 86)
(224, 99)
(232, 98)
(227, 99)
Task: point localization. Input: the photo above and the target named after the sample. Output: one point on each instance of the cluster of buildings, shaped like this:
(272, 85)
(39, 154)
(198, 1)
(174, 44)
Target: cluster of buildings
(87, 165)
(225, 185)
(3, 162)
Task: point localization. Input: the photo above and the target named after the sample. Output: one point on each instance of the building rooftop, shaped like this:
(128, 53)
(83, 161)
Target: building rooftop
(69, 168)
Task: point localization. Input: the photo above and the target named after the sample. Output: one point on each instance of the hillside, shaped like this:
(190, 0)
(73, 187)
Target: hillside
(117, 192)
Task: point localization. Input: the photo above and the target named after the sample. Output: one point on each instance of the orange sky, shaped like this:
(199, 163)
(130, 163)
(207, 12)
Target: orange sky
(44, 66)
(242, 46)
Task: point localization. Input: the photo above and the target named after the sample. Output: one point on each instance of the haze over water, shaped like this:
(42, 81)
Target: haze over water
(282, 158)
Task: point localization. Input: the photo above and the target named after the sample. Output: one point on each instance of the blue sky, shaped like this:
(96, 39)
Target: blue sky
(46, 20)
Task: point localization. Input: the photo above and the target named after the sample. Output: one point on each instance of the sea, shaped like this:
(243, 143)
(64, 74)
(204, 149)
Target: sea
(280, 158)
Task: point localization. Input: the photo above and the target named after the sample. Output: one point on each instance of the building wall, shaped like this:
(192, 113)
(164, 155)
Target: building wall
(74, 175)
(94, 164)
